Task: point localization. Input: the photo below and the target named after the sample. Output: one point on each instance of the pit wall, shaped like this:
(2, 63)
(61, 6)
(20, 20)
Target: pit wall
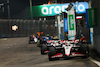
(96, 4)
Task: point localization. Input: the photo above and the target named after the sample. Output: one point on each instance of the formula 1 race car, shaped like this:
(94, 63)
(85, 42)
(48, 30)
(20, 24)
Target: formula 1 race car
(45, 45)
(32, 39)
(68, 49)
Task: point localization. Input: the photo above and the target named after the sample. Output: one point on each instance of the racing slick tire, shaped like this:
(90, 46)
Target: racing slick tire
(38, 43)
(51, 52)
(85, 50)
(43, 48)
(29, 42)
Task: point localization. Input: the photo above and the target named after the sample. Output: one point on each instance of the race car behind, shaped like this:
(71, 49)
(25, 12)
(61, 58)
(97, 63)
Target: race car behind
(32, 39)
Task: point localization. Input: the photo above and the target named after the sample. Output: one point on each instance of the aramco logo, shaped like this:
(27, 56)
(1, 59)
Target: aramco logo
(61, 8)
(57, 9)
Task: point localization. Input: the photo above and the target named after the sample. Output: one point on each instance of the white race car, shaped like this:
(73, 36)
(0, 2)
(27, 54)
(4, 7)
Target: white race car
(68, 49)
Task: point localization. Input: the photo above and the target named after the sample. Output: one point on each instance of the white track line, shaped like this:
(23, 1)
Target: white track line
(3, 39)
(96, 62)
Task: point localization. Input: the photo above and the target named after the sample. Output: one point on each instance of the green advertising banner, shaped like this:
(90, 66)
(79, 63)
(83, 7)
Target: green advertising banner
(46, 10)
(71, 22)
(54, 9)
(92, 17)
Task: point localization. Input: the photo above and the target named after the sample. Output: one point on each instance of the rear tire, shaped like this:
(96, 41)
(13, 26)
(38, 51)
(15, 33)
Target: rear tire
(85, 50)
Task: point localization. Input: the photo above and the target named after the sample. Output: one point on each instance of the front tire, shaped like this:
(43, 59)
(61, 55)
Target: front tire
(51, 52)
(43, 48)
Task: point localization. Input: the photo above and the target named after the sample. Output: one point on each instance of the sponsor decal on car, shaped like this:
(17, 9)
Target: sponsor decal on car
(46, 51)
(57, 55)
(77, 54)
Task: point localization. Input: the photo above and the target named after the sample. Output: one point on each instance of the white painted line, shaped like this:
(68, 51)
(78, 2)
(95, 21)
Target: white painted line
(3, 39)
(96, 62)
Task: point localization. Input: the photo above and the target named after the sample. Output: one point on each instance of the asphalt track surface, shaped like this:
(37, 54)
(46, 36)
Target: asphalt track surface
(16, 52)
